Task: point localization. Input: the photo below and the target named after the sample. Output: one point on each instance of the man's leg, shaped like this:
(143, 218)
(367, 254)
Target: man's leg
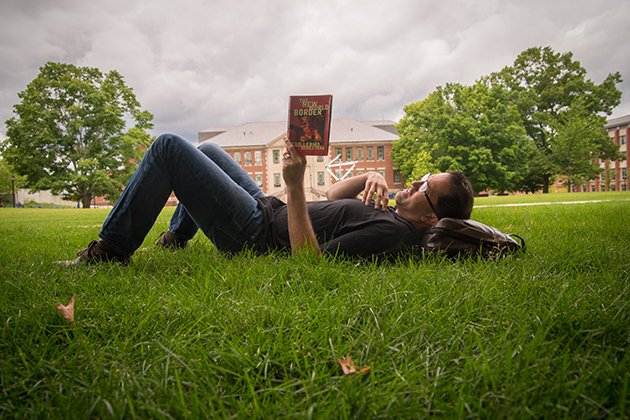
(182, 225)
(220, 207)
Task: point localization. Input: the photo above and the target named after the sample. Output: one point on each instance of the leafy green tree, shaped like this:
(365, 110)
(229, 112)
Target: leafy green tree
(544, 85)
(469, 128)
(6, 186)
(531, 182)
(578, 134)
(69, 132)
(609, 175)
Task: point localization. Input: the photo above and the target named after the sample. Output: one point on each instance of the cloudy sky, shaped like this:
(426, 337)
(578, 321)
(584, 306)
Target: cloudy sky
(197, 64)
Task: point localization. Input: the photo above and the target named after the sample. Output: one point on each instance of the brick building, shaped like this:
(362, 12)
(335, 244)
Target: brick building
(613, 172)
(355, 147)
(619, 130)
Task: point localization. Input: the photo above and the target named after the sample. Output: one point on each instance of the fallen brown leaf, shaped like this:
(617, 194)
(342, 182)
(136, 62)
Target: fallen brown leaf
(68, 310)
(348, 366)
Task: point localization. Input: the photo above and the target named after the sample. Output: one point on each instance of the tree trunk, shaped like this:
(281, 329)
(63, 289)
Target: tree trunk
(86, 200)
(545, 184)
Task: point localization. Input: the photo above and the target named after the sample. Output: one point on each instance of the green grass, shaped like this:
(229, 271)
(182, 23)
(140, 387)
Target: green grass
(195, 334)
(553, 198)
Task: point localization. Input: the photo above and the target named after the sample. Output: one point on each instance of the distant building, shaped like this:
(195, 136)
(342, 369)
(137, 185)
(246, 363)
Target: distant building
(619, 130)
(614, 173)
(362, 146)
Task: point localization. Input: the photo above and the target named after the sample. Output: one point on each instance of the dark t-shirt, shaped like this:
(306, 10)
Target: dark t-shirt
(345, 226)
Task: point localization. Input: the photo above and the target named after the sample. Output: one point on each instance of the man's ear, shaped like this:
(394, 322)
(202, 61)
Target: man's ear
(430, 219)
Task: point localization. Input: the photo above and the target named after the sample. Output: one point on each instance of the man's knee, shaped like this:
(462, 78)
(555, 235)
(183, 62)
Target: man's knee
(165, 143)
(168, 139)
(210, 149)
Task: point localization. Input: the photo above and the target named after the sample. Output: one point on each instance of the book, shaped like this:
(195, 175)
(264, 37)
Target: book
(309, 123)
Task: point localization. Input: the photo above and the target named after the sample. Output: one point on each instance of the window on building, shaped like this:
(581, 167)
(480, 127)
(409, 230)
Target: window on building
(337, 152)
(257, 158)
(370, 153)
(248, 158)
(622, 139)
(320, 158)
(380, 153)
(381, 171)
(276, 156)
(348, 154)
(276, 180)
(396, 176)
(237, 157)
(624, 173)
(360, 172)
(350, 174)
(320, 178)
(259, 180)
(360, 154)
(339, 173)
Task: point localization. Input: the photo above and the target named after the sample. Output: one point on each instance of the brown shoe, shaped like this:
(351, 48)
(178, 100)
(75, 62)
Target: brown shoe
(97, 251)
(168, 240)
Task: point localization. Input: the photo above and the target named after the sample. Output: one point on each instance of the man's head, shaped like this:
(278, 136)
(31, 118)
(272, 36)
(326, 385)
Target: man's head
(448, 194)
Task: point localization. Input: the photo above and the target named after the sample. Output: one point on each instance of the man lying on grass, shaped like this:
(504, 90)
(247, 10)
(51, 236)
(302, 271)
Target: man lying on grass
(217, 196)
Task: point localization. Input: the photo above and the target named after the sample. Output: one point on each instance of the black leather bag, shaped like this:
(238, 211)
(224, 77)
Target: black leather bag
(466, 237)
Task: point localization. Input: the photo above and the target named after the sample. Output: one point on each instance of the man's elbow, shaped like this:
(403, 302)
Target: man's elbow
(330, 193)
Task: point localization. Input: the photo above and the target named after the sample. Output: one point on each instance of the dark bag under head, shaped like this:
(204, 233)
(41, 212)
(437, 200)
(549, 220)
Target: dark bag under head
(468, 237)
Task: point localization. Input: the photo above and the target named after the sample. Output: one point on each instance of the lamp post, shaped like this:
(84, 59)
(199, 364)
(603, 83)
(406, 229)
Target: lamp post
(13, 188)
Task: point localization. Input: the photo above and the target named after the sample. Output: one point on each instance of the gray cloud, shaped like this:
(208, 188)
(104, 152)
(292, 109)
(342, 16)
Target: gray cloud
(196, 64)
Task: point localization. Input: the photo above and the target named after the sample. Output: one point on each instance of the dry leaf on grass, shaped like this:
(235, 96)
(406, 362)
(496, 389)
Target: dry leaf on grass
(68, 310)
(349, 367)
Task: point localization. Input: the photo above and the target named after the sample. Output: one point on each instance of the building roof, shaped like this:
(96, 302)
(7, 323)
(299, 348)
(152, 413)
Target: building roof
(262, 133)
(251, 134)
(348, 130)
(616, 123)
(387, 125)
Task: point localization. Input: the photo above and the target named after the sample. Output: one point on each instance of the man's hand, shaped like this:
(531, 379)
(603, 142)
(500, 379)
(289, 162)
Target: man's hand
(369, 183)
(293, 166)
(376, 184)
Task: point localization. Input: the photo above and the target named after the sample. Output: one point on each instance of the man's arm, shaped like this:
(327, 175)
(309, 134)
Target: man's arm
(369, 183)
(301, 232)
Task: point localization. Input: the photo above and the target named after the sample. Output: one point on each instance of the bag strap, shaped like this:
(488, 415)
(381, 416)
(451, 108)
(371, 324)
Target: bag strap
(514, 235)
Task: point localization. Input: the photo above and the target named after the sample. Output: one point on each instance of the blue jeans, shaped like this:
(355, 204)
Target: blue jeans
(216, 195)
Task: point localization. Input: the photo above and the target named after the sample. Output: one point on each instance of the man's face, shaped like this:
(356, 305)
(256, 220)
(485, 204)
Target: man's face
(412, 203)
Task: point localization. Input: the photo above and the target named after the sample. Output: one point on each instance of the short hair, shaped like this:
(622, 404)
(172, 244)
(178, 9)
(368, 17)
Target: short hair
(459, 201)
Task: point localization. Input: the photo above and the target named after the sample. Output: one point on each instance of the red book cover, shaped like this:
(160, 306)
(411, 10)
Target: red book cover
(309, 123)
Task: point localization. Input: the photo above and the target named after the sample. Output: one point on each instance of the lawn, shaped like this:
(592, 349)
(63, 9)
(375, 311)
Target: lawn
(194, 334)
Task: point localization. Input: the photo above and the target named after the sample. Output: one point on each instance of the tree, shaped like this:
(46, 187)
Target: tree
(578, 134)
(6, 186)
(69, 132)
(544, 85)
(469, 128)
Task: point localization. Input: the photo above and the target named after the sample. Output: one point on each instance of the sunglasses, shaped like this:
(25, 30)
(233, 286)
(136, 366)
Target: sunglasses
(425, 189)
